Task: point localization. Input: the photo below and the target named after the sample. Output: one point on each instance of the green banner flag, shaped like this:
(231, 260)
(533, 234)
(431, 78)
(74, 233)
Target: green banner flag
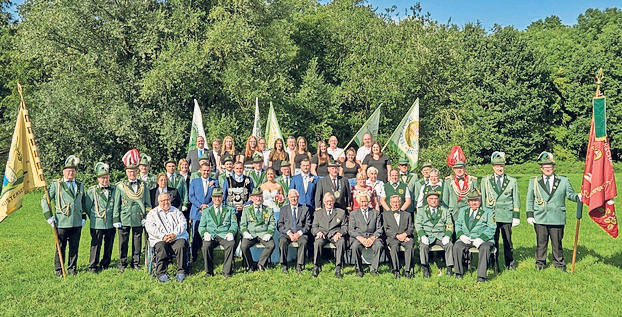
(370, 126)
(256, 123)
(405, 138)
(273, 131)
(197, 127)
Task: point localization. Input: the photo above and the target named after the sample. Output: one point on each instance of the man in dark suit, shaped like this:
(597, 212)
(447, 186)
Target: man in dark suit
(329, 226)
(305, 184)
(294, 225)
(163, 187)
(365, 230)
(201, 150)
(200, 196)
(334, 184)
(398, 227)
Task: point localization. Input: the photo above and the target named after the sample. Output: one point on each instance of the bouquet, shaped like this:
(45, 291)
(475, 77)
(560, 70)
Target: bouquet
(279, 200)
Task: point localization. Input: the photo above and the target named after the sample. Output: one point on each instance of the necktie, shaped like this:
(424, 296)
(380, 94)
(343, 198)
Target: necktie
(71, 187)
(305, 182)
(547, 183)
(200, 153)
(334, 183)
(287, 181)
(173, 179)
(257, 213)
(433, 212)
(294, 219)
(472, 217)
(499, 182)
(366, 214)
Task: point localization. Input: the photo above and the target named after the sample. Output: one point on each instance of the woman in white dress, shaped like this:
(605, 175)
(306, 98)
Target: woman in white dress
(271, 189)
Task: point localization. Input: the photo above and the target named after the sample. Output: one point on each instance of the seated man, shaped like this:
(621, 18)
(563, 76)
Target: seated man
(475, 227)
(257, 226)
(398, 226)
(329, 225)
(218, 226)
(166, 226)
(365, 230)
(434, 227)
(294, 226)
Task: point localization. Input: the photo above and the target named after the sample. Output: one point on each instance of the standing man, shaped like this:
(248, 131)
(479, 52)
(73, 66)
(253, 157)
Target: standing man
(227, 171)
(265, 153)
(194, 155)
(202, 161)
(200, 196)
(475, 227)
(434, 227)
(456, 187)
(285, 179)
(237, 189)
(144, 166)
(305, 184)
(334, 151)
(257, 226)
(219, 225)
(426, 168)
(99, 206)
(395, 187)
(294, 225)
(434, 185)
(330, 225)
(168, 237)
(410, 179)
(132, 202)
(546, 210)
(291, 146)
(500, 193)
(175, 180)
(365, 230)
(362, 152)
(216, 153)
(338, 186)
(257, 174)
(398, 227)
(67, 215)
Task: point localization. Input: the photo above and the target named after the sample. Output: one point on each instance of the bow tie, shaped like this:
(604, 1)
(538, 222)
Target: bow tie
(132, 182)
(396, 212)
(461, 178)
(106, 188)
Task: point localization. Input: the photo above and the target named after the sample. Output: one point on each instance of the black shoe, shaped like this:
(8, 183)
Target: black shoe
(511, 267)
(208, 274)
(539, 268)
(374, 272)
(359, 273)
(261, 268)
(316, 271)
(121, 269)
(284, 269)
(74, 273)
(338, 273)
(481, 280)
(450, 271)
(458, 276)
(92, 270)
(563, 268)
(251, 269)
(407, 275)
(426, 272)
(226, 275)
(299, 269)
(180, 277)
(59, 274)
(397, 274)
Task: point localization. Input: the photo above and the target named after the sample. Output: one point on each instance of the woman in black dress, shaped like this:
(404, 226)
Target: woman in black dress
(251, 148)
(277, 155)
(350, 168)
(378, 160)
(300, 154)
(319, 163)
(228, 149)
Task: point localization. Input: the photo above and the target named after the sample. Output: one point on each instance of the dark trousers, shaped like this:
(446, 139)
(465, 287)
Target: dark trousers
(284, 242)
(208, 254)
(165, 251)
(320, 243)
(197, 240)
(556, 234)
(357, 250)
(97, 237)
(246, 245)
(424, 252)
(124, 240)
(394, 251)
(71, 237)
(505, 230)
(461, 252)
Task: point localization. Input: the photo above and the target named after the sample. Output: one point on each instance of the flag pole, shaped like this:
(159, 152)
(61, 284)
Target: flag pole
(399, 125)
(354, 137)
(47, 196)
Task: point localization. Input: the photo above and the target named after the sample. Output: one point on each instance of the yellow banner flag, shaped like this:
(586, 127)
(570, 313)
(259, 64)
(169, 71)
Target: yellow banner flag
(23, 168)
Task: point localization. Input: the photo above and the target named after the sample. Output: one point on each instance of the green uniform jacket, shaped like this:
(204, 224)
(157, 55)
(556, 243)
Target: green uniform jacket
(220, 225)
(411, 180)
(416, 189)
(257, 179)
(151, 181)
(549, 209)
(257, 227)
(505, 203)
(130, 212)
(400, 190)
(99, 208)
(222, 177)
(483, 225)
(434, 227)
(283, 183)
(180, 185)
(68, 208)
(451, 194)
(424, 190)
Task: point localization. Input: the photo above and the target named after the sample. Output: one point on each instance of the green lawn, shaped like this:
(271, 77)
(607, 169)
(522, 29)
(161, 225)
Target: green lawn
(28, 284)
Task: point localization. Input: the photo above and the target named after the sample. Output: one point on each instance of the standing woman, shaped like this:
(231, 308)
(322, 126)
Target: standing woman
(374, 182)
(319, 163)
(378, 160)
(300, 154)
(228, 149)
(251, 148)
(277, 155)
(350, 168)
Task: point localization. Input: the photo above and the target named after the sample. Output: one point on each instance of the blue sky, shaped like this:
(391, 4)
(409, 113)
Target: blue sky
(488, 12)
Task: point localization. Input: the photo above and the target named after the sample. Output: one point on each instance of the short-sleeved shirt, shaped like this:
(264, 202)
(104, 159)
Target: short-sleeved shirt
(362, 152)
(341, 152)
(350, 173)
(380, 165)
(321, 169)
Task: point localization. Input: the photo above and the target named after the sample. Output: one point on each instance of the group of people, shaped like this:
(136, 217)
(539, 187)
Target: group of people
(335, 200)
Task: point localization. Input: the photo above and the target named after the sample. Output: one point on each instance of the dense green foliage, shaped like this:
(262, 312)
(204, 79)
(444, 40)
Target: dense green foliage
(28, 285)
(102, 77)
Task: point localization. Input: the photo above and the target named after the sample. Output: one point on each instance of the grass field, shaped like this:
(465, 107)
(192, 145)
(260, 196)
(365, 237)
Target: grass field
(28, 285)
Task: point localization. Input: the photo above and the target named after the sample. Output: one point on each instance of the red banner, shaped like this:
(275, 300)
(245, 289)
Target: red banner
(455, 155)
(599, 184)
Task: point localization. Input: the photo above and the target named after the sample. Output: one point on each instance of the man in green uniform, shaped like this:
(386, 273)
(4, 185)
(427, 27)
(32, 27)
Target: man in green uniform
(257, 174)
(177, 181)
(227, 164)
(67, 214)
(218, 226)
(455, 188)
(99, 207)
(395, 187)
(285, 179)
(475, 227)
(435, 184)
(144, 166)
(132, 202)
(257, 226)
(434, 227)
(421, 182)
(408, 178)
(546, 210)
(500, 193)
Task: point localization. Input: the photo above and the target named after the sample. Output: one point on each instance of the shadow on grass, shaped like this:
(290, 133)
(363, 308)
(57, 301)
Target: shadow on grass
(582, 252)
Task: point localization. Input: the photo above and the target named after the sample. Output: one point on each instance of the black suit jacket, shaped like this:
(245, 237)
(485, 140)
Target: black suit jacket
(172, 192)
(392, 228)
(357, 225)
(303, 220)
(325, 185)
(193, 159)
(330, 226)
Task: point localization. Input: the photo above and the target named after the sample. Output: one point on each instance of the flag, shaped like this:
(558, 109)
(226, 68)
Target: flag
(256, 124)
(197, 127)
(599, 185)
(273, 131)
(405, 138)
(23, 171)
(370, 126)
(456, 154)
